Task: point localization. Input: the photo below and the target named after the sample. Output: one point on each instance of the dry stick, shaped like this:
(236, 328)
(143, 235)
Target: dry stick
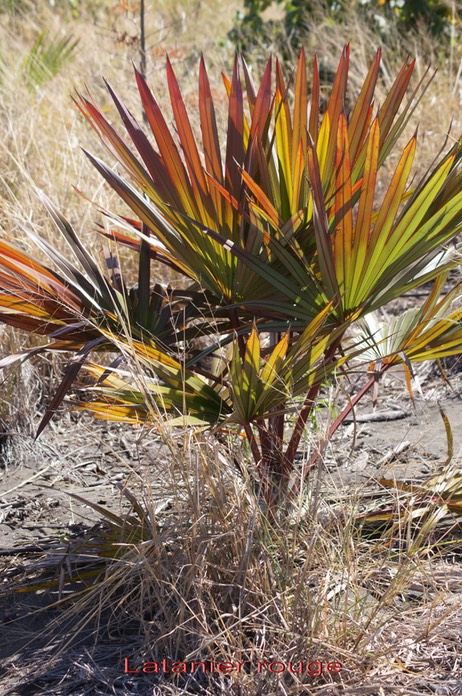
(357, 397)
(18, 550)
(24, 483)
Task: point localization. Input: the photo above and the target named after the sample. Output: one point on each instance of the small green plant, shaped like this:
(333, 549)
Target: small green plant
(282, 248)
(47, 57)
(10, 5)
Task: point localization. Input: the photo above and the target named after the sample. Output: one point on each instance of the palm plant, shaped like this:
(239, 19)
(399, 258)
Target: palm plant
(282, 245)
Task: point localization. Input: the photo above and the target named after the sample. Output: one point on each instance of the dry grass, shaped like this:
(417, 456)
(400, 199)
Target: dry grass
(212, 581)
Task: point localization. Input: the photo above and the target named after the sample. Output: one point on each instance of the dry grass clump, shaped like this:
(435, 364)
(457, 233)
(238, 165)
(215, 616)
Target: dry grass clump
(196, 573)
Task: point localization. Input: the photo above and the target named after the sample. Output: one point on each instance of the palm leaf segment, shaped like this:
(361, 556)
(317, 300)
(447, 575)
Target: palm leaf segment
(422, 333)
(243, 392)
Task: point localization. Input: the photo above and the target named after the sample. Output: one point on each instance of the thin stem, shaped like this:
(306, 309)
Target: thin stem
(234, 318)
(339, 420)
(254, 447)
(144, 279)
(306, 411)
(357, 397)
(300, 425)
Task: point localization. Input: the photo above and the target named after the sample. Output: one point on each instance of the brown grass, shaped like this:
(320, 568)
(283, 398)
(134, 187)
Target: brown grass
(213, 581)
